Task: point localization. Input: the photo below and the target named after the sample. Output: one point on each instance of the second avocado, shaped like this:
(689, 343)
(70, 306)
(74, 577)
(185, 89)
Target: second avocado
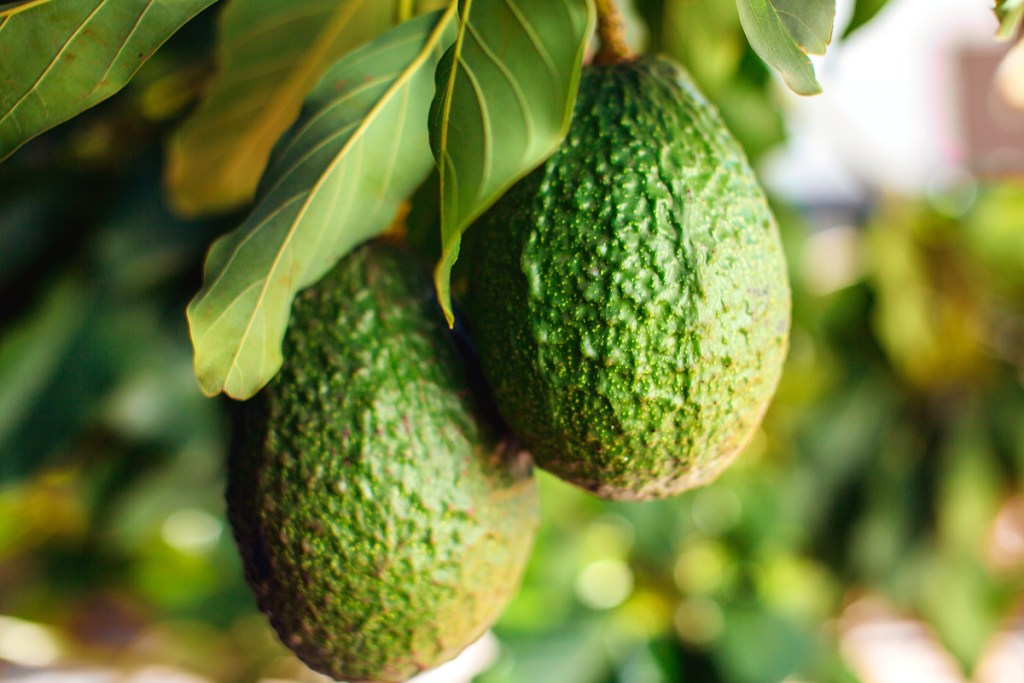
(629, 298)
(383, 523)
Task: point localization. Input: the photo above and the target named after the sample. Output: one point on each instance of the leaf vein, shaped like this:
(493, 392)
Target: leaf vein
(49, 67)
(517, 92)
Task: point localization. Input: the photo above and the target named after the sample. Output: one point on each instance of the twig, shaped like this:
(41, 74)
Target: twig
(612, 31)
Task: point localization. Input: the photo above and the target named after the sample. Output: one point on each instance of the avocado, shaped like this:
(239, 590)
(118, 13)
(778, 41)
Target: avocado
(629, 298)
(382, 523)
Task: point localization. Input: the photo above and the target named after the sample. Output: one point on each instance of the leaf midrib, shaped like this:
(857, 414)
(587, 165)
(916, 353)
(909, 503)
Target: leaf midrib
(444, 161)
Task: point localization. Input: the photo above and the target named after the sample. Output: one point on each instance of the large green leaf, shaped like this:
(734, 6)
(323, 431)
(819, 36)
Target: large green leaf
(358, 150)
(270, 53)
(1010, 14)
(505, 93)
(784, 32)
(60, 58)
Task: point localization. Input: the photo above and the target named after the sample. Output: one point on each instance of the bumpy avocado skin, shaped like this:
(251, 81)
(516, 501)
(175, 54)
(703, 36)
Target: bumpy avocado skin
(382, 525)
(629, 298)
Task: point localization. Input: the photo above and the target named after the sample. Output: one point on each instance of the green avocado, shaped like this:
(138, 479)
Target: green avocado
(382, 523)
(629, 298)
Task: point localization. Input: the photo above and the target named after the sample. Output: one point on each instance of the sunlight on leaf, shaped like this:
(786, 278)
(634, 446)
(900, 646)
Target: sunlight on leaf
(270, 53)
(359, 148)
(784, 32)
(60, 58)
(808, 22)
(505, 93)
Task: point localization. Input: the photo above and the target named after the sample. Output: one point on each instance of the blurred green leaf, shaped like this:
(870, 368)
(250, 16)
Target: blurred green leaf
(962, 604)
(358, 151)
(959, 595)
(756, 120)
(759, 646)
(60, 58)
(652, 13)
(30, 357)
(1010, 14)
(797, 586)
(270, 53)
(863, 12)
(971, 488)
(839, 437)
(505, 95)
(993, 235)
(1002, 408)
(926, 317)
(783, 32)
(706, 37)
(575, 655)
(895, 505)
(39, 511)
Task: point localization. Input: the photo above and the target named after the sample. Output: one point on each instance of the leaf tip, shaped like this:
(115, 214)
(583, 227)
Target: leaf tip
(442, 287)
(210, 383)
(809, 90)
(207, 390)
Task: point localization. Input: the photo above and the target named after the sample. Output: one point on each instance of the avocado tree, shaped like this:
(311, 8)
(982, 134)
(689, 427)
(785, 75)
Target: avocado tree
(231, 154)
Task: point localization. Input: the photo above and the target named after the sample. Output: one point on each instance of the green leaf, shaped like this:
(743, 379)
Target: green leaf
(1010, 14)
(783, 32)
(60, 58)
(270, 53)
(706, 38)
(808, 22)
(31, 353)
(505, 94)
(863, 12)
(336, 179)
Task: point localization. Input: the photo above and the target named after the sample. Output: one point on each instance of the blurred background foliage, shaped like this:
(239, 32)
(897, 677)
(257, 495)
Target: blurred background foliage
(883, 490)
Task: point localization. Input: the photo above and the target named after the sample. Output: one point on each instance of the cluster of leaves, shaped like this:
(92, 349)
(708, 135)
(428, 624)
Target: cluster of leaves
(893, 442)
(325, 116)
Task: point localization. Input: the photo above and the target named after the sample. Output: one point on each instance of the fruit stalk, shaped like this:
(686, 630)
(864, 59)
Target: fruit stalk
(611, 29)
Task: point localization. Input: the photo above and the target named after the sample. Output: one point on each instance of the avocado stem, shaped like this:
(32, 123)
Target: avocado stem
(612, 31)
